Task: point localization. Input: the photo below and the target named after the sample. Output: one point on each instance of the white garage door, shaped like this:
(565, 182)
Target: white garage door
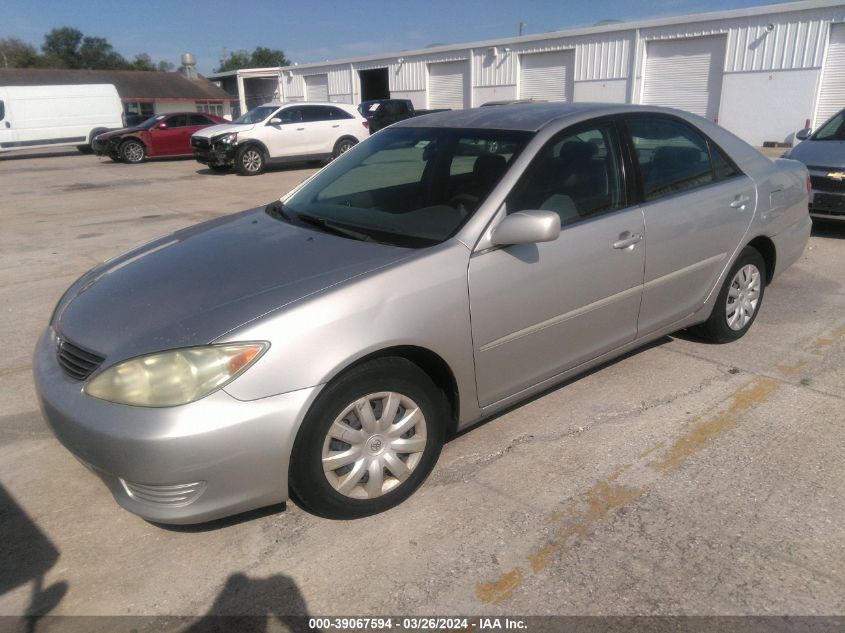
(685, 74)
(546, 75)
(317, 87)
(832, 93)
(447, 84)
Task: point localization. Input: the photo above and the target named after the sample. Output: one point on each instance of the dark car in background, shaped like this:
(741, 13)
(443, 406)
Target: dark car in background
(161, 135)
(823, 152)
(383, 112)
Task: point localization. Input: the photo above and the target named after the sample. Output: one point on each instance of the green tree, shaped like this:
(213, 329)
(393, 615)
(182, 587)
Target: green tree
(61, 46)
(143, 61)
(265, 57)
(96, 53)
(259, 58)
(165, 67)
(15, 53)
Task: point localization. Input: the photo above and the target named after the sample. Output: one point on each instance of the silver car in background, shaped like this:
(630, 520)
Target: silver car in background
(823, 152)
(445, 268)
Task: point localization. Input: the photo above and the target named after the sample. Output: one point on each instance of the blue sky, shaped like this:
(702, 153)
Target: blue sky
(316, 30)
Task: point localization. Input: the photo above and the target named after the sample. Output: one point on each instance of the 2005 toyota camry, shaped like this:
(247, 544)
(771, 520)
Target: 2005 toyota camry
(447, 267)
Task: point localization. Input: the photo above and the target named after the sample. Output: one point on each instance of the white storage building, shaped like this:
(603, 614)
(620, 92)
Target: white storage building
(761, 72)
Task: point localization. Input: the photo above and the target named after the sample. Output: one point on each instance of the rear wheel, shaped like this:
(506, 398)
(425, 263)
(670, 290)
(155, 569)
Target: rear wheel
(739, 299)
(343, 146)
(250, 161)
(133, 151)
(369, 441)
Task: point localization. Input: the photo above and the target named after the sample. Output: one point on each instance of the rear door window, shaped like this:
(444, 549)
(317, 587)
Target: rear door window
(180, 120)
(198, 119)
(2, 110)
(672, 157)
(337, 113)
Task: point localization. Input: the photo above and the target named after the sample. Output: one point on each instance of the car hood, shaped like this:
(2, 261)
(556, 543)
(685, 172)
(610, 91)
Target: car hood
(224, 128)
(193, 286)
(120, 132)
(820, 153)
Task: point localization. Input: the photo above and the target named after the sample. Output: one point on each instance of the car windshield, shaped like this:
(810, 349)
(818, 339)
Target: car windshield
(409, 186)
(833, 130)
(256, 115)
(146, 125)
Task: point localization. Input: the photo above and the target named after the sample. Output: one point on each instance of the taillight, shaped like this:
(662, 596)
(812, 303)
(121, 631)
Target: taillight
(809, 184)
(365, 123)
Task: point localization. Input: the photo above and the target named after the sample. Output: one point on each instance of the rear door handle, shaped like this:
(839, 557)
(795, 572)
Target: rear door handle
(299, 129)
(625, 242)
(740, 202)
(338, 125)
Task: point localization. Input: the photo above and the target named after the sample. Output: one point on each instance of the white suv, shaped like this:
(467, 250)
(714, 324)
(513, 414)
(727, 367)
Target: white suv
(276, 132)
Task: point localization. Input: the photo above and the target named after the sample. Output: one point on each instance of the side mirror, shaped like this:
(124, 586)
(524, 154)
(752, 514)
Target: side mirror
(527, 227)
(275, 121)
(804, 134)
(162, 126)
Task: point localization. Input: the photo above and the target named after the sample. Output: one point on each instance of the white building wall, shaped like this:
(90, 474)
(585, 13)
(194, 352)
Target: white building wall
(768, 106)
(779, 53)
(602, 91)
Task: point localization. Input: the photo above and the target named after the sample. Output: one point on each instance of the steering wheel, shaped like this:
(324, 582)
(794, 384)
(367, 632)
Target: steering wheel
(464, 202)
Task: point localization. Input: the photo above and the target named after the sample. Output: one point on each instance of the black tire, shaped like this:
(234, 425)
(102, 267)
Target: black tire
(220, 168)
(343, 145)
(310, 485)
(133, 151)
(250, 160)
(717, 328)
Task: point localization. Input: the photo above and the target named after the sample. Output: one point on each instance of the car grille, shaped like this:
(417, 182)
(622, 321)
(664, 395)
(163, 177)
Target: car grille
(821, 183)
(172, 496)
(75, 361)
(200, 143)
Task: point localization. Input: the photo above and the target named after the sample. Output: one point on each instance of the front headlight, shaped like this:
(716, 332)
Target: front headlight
(180, 376)
(227, 139)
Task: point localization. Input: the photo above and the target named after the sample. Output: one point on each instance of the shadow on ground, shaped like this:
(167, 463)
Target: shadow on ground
(26, 555)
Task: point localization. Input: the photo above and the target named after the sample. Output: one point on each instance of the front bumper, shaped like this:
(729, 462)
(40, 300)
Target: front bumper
(213, 154)
(827, 196)
(187, 464)
(108, 147)
(827, 206)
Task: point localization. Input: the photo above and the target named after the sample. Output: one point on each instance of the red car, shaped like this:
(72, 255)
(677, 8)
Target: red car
(161, 135)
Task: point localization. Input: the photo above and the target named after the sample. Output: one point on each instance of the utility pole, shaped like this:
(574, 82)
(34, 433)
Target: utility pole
(522, 26)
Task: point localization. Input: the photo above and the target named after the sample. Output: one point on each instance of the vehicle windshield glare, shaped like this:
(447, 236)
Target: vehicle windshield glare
(410, 186)
(146, 125)
(833, 130)
(256, 115)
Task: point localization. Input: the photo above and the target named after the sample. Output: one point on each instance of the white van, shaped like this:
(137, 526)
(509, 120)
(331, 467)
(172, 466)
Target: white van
(49, 116)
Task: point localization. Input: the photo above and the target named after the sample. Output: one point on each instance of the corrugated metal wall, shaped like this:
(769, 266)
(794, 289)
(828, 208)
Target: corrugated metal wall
(797, 40)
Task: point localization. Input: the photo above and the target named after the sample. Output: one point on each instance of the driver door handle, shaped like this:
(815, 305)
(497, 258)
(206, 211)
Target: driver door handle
(740, 202)
(299, 129)
(627, 241)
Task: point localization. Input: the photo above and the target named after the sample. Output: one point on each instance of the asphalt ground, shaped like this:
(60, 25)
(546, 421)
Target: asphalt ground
(683, 478)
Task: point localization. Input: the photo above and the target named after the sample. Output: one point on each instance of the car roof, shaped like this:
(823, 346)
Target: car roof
(277, 104)
(529, 117)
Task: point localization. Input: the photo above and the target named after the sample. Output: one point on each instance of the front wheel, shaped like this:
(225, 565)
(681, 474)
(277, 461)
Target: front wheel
(369, 441)
(739, 299)
(250, 161)
(343, 146)
(133, 151)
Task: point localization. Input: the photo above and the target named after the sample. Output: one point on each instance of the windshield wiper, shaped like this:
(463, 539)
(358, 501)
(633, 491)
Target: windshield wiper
(330, 227)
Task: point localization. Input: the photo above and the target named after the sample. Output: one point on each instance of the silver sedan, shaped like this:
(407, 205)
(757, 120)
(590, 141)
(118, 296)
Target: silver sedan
(444, 269)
